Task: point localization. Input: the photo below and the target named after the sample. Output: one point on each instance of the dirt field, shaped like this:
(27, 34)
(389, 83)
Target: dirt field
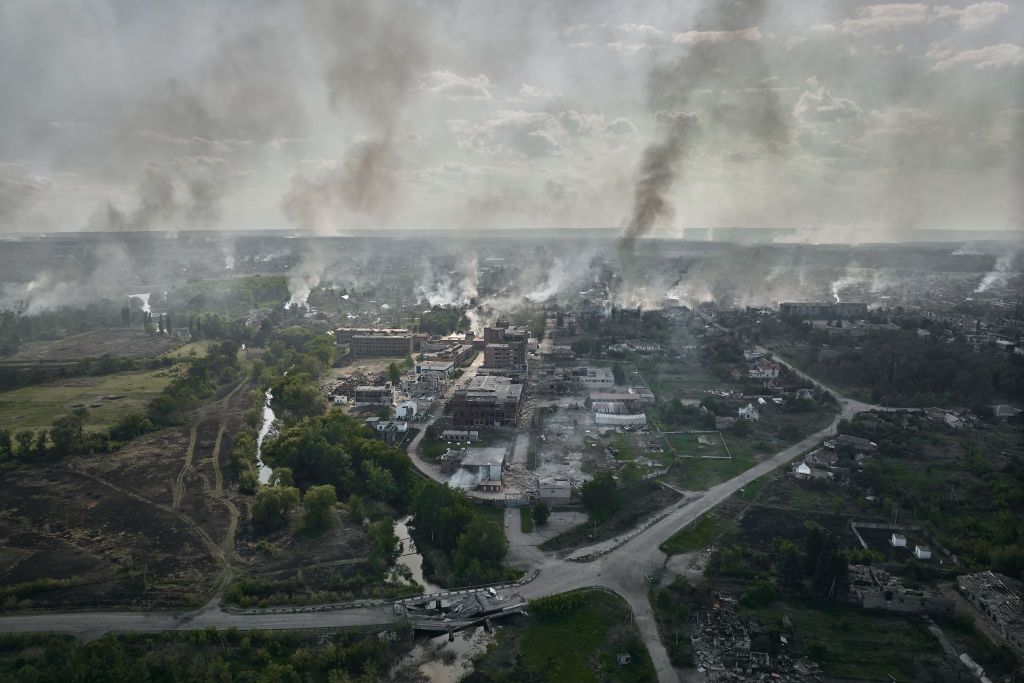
(107, 398)
(150, 525)
(121, 343)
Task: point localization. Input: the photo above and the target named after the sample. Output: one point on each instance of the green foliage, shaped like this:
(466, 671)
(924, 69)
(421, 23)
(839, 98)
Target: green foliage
(601, 496)
(442, 320)
(318, 504)
(204, 655)
(385, 549)
(272, 504)
(541, 512)
(297, 396)
(557, 606)
(446, 520)
(762, 593)
(619, 375)
(394, 374)
(337, 449)
(24, 440)
(900, 369)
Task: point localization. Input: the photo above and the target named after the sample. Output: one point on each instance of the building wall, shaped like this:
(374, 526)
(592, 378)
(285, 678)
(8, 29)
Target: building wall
(373, 345)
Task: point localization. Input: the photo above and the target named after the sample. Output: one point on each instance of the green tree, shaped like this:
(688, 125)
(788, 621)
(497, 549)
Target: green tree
(318, 504)
(272, 504)
(66, 433)
(384, 549)
(480, 552)
(394, 373)
(24, 440)
(6, 445)
(282, 476)
(409, 362)
(540, 513)
(357, 508)
(601, 496)
(742, 427)
(619, 375)
(42, 443)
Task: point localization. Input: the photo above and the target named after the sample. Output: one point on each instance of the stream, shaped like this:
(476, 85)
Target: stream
(411, 557)
(268, 424)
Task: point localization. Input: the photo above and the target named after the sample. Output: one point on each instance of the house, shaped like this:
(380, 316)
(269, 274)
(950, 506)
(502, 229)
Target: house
(898, 541)
(764, 369)
(922, 552)
(802, 471)
(749, 413)
(998, 598)
(1005, 412)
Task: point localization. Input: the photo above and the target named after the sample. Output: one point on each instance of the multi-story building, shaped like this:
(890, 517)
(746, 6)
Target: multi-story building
(487, 401)
(499, 356)
(364, 341)
(380, 345)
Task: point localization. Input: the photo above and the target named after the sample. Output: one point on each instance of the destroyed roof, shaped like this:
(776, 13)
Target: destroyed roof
(487, 456)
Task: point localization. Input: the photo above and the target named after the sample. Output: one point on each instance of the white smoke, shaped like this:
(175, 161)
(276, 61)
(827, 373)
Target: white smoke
(999, 275)
(464, 479)
(458, 288)
(304, 279)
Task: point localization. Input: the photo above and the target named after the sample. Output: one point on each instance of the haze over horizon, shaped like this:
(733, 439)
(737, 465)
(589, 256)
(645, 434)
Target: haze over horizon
(334, 117)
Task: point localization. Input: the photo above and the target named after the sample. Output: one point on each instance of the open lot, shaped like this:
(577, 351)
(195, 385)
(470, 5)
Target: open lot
(108, 398)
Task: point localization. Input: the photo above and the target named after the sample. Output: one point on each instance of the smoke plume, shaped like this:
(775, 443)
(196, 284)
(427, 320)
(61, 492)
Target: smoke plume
(724, 51)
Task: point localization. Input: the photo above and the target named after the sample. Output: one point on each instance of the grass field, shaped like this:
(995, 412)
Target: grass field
(107, 398)
(695, 537)
(853, 643)
(196, 349)
(700, 474)
(581, 646)
(691, 445)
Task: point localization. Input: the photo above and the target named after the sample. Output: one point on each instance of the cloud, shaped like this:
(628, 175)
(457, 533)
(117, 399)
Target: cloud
(821, 106)
(974, 16)
(896, 16)
(530, 92)
(454, 87)
(533, 134)
(715, 37)
(990, 57)
(874, 18)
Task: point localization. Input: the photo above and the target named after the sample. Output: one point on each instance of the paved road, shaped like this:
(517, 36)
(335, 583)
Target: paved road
(623, 570)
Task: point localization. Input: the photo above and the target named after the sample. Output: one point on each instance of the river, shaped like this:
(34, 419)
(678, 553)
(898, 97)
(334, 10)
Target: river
(411, 557)
(268, 424)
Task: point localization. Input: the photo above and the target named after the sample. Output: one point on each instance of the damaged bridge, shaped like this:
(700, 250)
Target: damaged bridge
(453, 612)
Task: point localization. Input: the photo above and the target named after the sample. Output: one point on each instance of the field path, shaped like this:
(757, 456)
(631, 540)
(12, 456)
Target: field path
(179, 482)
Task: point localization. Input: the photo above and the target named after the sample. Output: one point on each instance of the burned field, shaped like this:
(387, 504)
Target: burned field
(119, 343)
(149, 525)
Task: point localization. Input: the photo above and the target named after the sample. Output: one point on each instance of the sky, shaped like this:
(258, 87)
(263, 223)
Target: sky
(849, 120)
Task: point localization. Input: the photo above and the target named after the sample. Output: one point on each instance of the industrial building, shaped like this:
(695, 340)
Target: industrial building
(824, 311)
(488, 401)
(374, 396)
